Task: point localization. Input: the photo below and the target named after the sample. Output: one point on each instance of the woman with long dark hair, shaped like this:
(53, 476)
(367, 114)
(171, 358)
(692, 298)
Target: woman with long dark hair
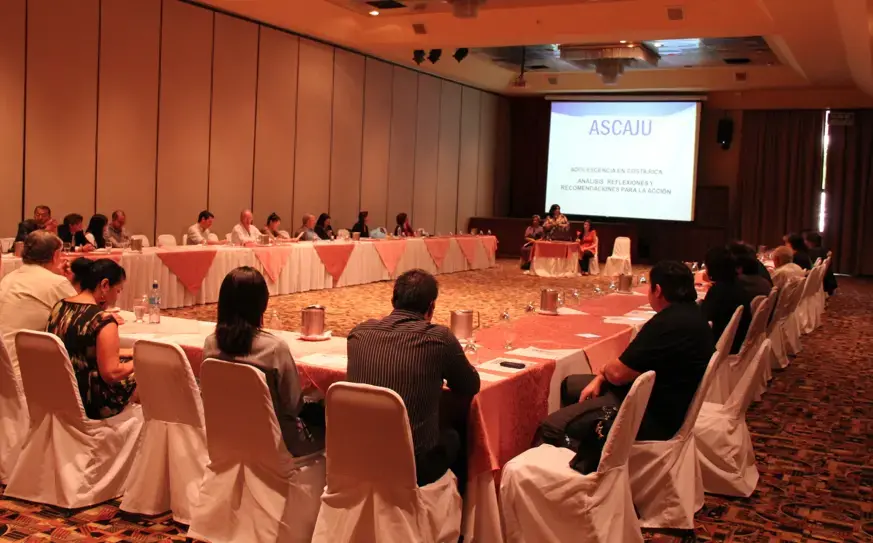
(361, 226)
(239, 337)
(96, 231)
(557, 226)
(403, 227)
(323, 227)
(587, 246)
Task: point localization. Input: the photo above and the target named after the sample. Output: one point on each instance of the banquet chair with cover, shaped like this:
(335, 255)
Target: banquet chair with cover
(166, 240)
(724, 445)
(6, 244)
(172, 459)
(14, 420)
(778, 331)
(67, 460)
(371, 493)
(726, 340)
(544, 499)
(145, 239)
(620, 261)
(254, 490)
(808, 314)
(212, 237)
(665, 476)
(184, 240)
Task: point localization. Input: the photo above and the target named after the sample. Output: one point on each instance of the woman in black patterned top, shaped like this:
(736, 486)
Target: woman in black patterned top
(104, 372)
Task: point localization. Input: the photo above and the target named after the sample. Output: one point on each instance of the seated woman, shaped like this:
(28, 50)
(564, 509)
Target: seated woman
(531, 234)
(725, 295)
(361, 226)
(557, 227)
(239, 338)
(587, 246)
(104, 372)
(95, 231)
(272, 227)
(79, 269)
(800, 250)
(323, 228)
(403, 227)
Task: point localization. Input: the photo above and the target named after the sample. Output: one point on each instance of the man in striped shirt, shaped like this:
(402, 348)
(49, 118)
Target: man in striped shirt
(408, 354)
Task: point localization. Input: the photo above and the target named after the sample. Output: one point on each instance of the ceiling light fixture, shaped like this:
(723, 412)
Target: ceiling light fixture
(418, 56)
(374, 12)
(461, 53)
(623, 41)
(434, 55)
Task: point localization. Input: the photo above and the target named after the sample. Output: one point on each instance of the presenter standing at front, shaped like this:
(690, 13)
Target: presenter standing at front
(557, 227)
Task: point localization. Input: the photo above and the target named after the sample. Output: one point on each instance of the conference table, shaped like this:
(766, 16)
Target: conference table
(192, 275)
(511, 404)
(555, 259)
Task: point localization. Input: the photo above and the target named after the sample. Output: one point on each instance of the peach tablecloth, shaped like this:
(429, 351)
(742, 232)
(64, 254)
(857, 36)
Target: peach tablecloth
(335, 256)
(273, 259)
(189, 266)
(438, 249)
(114, 256)
(469, 245)
(390, 251)
(555, 249)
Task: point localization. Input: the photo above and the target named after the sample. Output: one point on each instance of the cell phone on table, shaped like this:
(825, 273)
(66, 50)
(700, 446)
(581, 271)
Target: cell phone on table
(513, 365)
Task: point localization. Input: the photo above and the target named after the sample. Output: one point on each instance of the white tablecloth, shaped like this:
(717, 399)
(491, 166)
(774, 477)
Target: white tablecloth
(303, 270)
(555, 267)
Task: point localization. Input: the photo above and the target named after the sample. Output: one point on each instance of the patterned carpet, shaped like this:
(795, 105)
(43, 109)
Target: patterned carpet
(813, 431)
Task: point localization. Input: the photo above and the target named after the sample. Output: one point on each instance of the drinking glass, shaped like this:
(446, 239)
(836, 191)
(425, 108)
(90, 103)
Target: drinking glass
(67, 246)
(139, 309)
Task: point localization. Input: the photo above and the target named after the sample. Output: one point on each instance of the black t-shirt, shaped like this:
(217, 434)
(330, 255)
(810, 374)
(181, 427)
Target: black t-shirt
(722, 299)
(677, 345)
(802, 259)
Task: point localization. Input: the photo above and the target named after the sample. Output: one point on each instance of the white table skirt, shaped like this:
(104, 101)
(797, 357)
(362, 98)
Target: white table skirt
(303, 270)
(555, 267)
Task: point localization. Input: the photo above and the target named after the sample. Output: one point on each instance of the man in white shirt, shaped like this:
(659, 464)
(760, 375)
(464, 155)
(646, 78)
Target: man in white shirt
(783, 261)
(198, 234)
(307, 230)
(245, 231)
(28, 294)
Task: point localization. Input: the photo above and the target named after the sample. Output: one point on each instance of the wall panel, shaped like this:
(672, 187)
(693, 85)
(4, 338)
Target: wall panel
(61, 107)
(377, 139)
(468, 167)
(501, 159)
(401, 155)
(314, 97)
(348, 118)
(427, 136)
(487, 147)
(234, 82)
(130, 35)
(183, 129)
(12, 36)
(449, 153)
(276, 126)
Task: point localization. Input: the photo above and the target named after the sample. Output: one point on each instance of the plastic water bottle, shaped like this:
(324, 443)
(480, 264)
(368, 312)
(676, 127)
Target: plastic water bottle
(155, 304)
(275, 322)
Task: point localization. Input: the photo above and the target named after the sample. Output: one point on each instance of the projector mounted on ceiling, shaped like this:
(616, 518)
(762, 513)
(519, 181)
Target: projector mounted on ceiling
(609, 61)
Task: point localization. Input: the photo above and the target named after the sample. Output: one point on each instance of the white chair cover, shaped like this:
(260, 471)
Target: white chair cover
(166, 240)
(284, 234)
(808, 312)
(254, 490)
(67, 460)
(543, 499)
(620, 261)
(777, 331)
(726, 341)
(594, 263)
(212, 237)
(371, 492)
(184, 240)
(6, 244)
(13, 415)
(145, 239)
(724, 445)
(665, 475)
(172, 459)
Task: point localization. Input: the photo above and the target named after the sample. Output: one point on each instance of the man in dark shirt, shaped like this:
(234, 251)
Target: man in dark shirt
(411, 356)
(725, 295)
(816, 251)
(801, 253)
(676, 344)
(71, 231)
(42, 217)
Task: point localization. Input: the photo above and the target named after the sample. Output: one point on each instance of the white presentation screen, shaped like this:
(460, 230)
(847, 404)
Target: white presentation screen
(623, 159)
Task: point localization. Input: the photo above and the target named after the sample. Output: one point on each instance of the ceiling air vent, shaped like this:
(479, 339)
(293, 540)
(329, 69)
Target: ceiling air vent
(553, 80)
(741, 77)
(386, 4)
(737, 60)
(419, 28)
(675, 14)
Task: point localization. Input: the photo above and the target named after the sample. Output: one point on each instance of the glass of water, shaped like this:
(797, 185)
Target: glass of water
(139, 309)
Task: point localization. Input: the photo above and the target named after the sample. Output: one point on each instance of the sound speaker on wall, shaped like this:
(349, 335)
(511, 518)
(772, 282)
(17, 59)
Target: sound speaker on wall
(725, 133)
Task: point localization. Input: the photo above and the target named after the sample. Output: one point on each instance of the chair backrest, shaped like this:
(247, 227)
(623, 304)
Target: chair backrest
(6, 244)
(284, 234)
(624, 430)
(621, 247)
(10, 384)
(812, 283)
(48, 379)
(166, 240)
(744, 392)
(184, 240)
(212, 237)
(368, 438)
(726, 341)
(787, 297)
(758, 326)
(715, 362)
(145, 239)
(756, 302)
(241, 424)
(166, 384)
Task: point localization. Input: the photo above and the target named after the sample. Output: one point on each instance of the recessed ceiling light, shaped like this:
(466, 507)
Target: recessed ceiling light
(623, 41)
(630, 45)
(374, 12)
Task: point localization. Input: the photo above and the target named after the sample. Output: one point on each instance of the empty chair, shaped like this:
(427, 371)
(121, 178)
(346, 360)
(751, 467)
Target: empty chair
(67, 460)
(665, 475)
(254, 490)
(777, 330)
(145, 240)
(166, 240)
(6, 244)
(172, 459)
(724, 445)
(543, 499)
(371, 493)
(620, 261)
(13, 415)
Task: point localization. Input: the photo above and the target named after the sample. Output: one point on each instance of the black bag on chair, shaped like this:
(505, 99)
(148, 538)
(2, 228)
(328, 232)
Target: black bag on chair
(582, 428)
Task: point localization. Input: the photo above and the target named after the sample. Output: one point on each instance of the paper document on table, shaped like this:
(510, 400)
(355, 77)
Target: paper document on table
(632, 321)
(637, 314)
(546, 354)
(588, 336)
(494, 365)
(337, 361)
(568, 311)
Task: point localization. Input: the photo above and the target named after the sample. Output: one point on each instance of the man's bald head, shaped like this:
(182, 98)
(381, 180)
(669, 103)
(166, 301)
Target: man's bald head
(246, 218)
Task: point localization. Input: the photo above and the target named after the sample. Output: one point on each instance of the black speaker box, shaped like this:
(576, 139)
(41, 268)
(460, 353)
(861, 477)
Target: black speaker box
(725, 133)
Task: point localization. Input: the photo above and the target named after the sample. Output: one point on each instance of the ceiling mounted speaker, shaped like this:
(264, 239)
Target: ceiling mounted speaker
(466, 9)
(675, 14)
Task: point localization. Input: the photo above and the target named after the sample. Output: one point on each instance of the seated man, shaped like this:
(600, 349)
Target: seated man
(752, 276)
(676, 343)
(725, 295)
(72, 231)
(245, 231)
(798, 246)
(116, 235)
(816, 251)
(42, 217)
(785, 268)
(307, 230)
(198, 234)
(411, 356)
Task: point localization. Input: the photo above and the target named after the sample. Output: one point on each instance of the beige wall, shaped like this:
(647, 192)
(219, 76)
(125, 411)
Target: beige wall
(163, 108)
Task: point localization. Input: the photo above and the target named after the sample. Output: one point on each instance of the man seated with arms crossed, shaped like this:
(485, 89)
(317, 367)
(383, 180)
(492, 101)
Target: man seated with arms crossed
(408, 354)
(198, 234)
(42, 218)
(676, 344)
(245, 231)
(116, 235)
(785, 268)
